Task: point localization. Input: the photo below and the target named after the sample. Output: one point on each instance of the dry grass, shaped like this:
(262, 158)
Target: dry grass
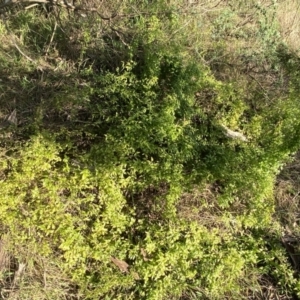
(200, 205)
(289, 21)
(28, 276)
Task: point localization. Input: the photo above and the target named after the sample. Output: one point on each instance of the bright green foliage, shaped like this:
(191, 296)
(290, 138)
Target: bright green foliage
(100, 169)
(52, 206)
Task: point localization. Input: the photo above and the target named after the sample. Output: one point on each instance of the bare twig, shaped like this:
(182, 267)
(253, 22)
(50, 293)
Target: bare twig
(51, 39)
(258, 83)
(15, 43)
(119, 34)
(32, 5)
(234, 134)
(12, 2)
(39, 65)
(20, 51)
(81, 8)
(19, 273)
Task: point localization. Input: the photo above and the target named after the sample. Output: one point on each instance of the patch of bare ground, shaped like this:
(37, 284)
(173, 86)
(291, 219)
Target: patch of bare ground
(201, 205)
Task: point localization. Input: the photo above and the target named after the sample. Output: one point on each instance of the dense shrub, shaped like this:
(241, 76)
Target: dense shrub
(94, 177)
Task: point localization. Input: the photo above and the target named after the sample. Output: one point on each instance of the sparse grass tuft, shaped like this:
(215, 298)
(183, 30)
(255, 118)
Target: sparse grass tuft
(30, 276)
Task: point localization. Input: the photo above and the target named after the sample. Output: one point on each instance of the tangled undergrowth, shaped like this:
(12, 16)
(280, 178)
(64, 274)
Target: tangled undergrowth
(140, 148)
